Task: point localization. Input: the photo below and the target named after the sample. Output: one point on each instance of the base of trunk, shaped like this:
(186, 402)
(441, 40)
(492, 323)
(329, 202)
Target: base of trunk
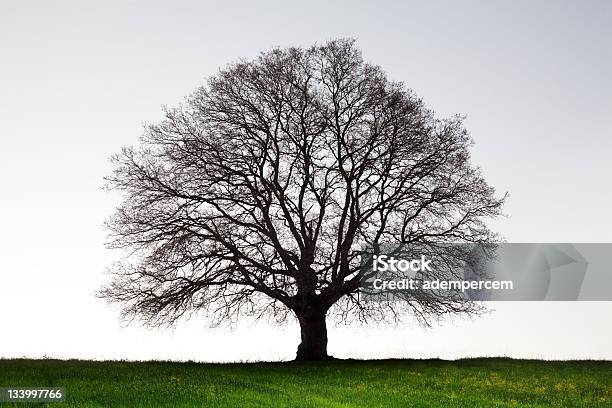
(315, 358)
(313, 332)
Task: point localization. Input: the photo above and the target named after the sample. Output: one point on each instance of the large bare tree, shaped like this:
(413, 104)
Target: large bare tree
(257, 195)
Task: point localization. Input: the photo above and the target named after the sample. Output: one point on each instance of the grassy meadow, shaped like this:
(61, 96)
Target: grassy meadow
(386, 383)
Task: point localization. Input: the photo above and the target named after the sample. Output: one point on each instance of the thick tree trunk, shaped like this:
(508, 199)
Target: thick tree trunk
(314, 337)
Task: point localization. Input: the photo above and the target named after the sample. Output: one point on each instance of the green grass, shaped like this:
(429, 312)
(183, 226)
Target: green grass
(391, 383)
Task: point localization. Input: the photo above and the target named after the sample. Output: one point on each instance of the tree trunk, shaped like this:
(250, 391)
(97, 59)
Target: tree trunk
(314, 337)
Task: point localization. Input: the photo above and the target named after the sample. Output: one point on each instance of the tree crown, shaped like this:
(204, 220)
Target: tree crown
(258, 194)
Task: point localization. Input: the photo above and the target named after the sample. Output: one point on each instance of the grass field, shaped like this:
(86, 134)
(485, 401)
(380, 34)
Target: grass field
(392, 383)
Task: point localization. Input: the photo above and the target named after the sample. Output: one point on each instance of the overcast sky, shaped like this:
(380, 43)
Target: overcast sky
(78, 80)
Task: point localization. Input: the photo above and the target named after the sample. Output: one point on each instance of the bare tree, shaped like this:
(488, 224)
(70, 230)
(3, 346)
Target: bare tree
(257, 194)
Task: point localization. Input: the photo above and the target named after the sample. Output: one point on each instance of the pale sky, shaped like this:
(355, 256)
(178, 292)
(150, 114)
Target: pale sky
(78, 80)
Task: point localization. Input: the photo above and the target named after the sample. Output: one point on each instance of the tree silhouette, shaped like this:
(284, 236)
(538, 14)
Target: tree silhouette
(257, 195)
